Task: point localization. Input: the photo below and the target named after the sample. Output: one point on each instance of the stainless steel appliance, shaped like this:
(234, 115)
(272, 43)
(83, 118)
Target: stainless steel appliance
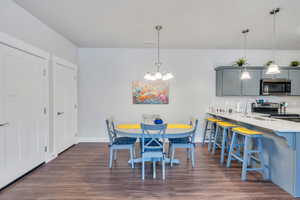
(279, 87)
(266, 108)
(275, 110)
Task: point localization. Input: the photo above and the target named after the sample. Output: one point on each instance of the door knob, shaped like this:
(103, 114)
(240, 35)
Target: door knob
(60, 113)
(4, 124)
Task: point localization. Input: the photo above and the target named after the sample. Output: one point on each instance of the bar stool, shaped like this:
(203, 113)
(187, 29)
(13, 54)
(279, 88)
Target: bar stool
(226, 126)
(256, 138)
(212, 123)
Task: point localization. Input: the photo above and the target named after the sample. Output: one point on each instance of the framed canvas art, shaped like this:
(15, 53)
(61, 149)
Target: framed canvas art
(150, 92)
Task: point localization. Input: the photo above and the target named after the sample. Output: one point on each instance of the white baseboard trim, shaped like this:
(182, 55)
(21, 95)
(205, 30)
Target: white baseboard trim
(91, 139)
(51, 157)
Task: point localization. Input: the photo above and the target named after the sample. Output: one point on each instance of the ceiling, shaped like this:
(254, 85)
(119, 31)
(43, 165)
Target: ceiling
(204, 24)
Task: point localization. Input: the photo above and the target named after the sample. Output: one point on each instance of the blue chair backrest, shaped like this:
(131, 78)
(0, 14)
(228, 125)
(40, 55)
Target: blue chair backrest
(113, 128)
(194, 123)
(110, 130)
(156, 134)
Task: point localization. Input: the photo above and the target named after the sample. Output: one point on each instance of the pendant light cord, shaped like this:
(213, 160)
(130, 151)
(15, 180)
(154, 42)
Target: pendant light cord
(245, 45)
(245, 34)
(158, 50)
(245, 74)
(274, 36)
(274, 12)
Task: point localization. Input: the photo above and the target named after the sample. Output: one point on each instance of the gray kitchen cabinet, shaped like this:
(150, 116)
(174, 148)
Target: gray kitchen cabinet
(228, 82)
(219, 83)
(231, 82)
(251, 87)
(294, 76)
(284, 73)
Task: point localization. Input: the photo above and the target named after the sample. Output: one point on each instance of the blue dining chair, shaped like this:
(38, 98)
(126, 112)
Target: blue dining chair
(186, 143)
(117, 143)
(153, 142)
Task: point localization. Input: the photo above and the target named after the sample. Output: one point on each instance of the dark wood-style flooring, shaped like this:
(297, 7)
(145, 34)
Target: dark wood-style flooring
(81, 173)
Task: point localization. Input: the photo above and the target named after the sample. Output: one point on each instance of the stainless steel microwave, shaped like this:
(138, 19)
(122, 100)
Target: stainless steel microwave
(277, 87)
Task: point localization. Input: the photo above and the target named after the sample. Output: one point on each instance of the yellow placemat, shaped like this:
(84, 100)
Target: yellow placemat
(129, 126)
(138, 126)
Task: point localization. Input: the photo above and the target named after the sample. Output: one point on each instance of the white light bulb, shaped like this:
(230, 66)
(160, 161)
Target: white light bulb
(152, 77)
(158, 75)
(245, 75)
(168, 76)
(147, 76)
(273, 69)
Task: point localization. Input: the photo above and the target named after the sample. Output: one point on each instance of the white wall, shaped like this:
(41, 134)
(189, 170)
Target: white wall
(19, 23)
(106, 76)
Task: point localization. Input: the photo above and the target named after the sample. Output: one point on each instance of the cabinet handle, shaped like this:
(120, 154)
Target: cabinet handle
(4, 124)
(60, 113)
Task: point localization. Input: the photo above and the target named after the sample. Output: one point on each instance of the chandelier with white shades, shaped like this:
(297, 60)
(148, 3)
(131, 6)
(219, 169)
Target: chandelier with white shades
(158, 75)
(273, 68)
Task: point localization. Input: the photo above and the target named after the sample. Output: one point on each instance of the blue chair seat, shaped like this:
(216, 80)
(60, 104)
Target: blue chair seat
(124, 140)
(184, 140)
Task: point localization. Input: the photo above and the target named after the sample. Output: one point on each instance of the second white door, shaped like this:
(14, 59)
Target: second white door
(65, 106)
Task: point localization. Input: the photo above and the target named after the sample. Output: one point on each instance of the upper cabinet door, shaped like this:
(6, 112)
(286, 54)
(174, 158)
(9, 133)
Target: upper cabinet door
(231, 82)
(219, 82)
(295, 80)
(251, 87)
(284, 73)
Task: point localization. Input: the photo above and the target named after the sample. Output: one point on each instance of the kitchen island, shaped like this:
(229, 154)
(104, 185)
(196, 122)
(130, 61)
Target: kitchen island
(281, 143)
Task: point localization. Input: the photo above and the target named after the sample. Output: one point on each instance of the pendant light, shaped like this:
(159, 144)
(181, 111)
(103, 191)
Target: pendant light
(245, 74)
(273, 68)
(158, 75)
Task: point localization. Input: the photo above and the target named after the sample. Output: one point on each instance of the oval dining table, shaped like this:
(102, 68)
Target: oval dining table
(172, 131)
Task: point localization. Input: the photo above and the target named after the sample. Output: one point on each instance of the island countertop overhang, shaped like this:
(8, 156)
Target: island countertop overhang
(282, 128)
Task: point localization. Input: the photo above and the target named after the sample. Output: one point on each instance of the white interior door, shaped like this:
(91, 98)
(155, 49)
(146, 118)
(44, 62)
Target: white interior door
(22, 117)
(65, 106)
(3, 156)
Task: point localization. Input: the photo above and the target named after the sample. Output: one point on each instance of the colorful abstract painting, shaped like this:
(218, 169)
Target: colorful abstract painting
(150, 92)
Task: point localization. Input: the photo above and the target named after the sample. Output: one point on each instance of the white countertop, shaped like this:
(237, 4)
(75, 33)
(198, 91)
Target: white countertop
(260, 120)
